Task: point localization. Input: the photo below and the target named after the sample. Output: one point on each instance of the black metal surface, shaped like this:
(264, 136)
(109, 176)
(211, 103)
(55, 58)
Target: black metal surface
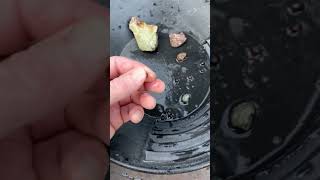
(189, 77)
(174, 137)
(267, 51)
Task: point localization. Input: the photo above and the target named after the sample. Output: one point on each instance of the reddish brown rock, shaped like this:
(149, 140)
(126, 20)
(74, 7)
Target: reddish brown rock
(177, 39)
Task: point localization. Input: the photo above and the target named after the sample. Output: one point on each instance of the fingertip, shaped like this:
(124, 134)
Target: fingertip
(136, 114)
(151, 76)
(122, 65)
(139, 75)
(147, 101)
(161, 85)
(156, 86)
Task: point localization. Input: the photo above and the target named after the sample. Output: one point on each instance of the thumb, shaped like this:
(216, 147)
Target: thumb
(126, 84)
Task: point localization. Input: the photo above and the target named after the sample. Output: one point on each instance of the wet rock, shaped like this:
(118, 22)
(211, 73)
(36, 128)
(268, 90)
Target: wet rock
(145, 34)
(181, 57)
(243, 114)
(177, 39)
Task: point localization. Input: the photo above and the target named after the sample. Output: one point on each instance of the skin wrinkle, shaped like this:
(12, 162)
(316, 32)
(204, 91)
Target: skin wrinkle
(15, 38)
(21, 21)
(72, 18)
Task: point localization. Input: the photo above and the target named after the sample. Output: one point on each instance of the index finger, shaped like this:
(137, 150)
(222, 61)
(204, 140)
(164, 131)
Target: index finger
(121, 65)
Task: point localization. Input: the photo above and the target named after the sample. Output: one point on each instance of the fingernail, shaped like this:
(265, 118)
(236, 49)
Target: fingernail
(151, 76)
(137, 116)
(139, 74)
(157, 84)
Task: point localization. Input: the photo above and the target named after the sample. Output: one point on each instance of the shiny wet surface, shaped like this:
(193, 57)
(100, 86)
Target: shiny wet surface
(266, 51)
(174, 137)
(189, 78)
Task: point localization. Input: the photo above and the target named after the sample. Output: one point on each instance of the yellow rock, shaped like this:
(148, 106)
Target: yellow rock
(145, 34)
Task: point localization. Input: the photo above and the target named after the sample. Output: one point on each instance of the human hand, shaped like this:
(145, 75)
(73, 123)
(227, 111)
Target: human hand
(52, 109)
(130, 82)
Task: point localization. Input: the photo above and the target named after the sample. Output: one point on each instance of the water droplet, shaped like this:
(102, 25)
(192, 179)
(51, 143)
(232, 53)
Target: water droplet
(184, 69)
(202, 64)
(159, 108)
(176, 81)
(190, 78)
(295, 9)
(163, 117)
(276, 140)
(165, 31)
(263, 173)
(249, 83)
(256, 53)
(276, 166)
(237, 26)
(170, 115)
(124, 174)
(224, 85)
(201, 71)
(294, 30)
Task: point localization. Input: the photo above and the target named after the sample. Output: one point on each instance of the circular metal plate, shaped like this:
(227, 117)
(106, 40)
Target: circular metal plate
(174, 137)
